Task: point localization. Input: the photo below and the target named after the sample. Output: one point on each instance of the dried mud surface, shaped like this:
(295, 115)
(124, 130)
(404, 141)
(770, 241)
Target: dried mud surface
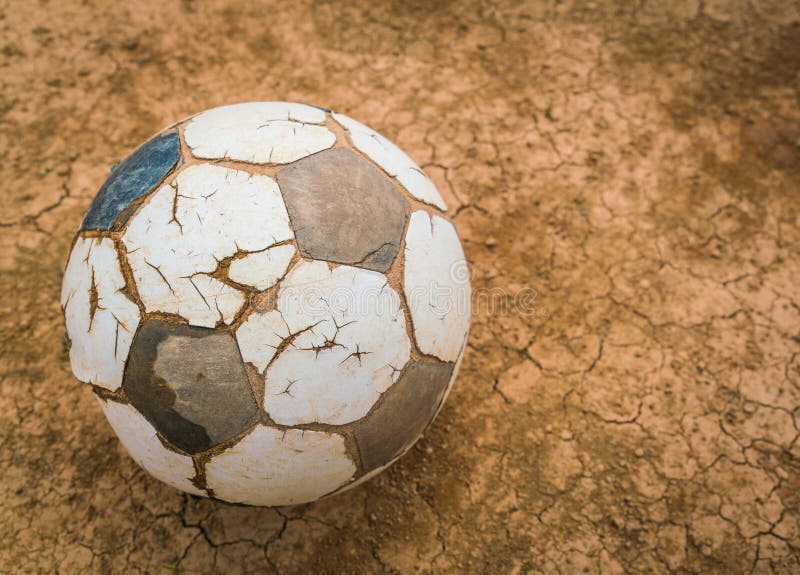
(635, 163)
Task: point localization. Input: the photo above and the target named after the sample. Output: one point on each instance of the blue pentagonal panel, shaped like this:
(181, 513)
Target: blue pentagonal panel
(131, 179)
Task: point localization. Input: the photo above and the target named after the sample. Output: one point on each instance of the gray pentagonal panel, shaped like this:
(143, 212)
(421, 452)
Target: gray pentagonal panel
(404, 411)
(343, 209)
(190, 383)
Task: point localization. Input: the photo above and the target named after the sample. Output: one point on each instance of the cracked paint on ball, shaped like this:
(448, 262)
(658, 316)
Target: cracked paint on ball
(100, 318)
(266, 321)
(436, 285)
(259, 133)
(264, 268)
(280, 467)
(336, 342)
(176, 241)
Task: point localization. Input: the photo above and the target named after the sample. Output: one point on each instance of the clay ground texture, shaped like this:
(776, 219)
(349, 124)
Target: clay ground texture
(635, 163)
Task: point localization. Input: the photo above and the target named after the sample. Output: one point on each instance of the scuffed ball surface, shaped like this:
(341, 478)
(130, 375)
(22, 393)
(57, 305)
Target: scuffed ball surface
(268, 300)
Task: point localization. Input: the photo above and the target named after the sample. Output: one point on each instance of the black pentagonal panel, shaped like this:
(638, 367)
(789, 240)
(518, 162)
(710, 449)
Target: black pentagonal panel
(403, 412)
(190, 383)
(343, 209)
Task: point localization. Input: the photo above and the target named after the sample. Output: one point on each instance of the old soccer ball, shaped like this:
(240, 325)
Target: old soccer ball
(269, 302)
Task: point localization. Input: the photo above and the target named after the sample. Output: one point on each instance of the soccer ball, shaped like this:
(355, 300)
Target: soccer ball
(269, 302)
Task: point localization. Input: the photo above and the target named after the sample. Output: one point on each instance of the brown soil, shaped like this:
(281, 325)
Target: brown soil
(635, 163)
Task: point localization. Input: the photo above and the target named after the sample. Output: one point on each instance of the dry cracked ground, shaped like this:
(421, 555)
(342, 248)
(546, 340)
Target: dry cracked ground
(634, 163)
